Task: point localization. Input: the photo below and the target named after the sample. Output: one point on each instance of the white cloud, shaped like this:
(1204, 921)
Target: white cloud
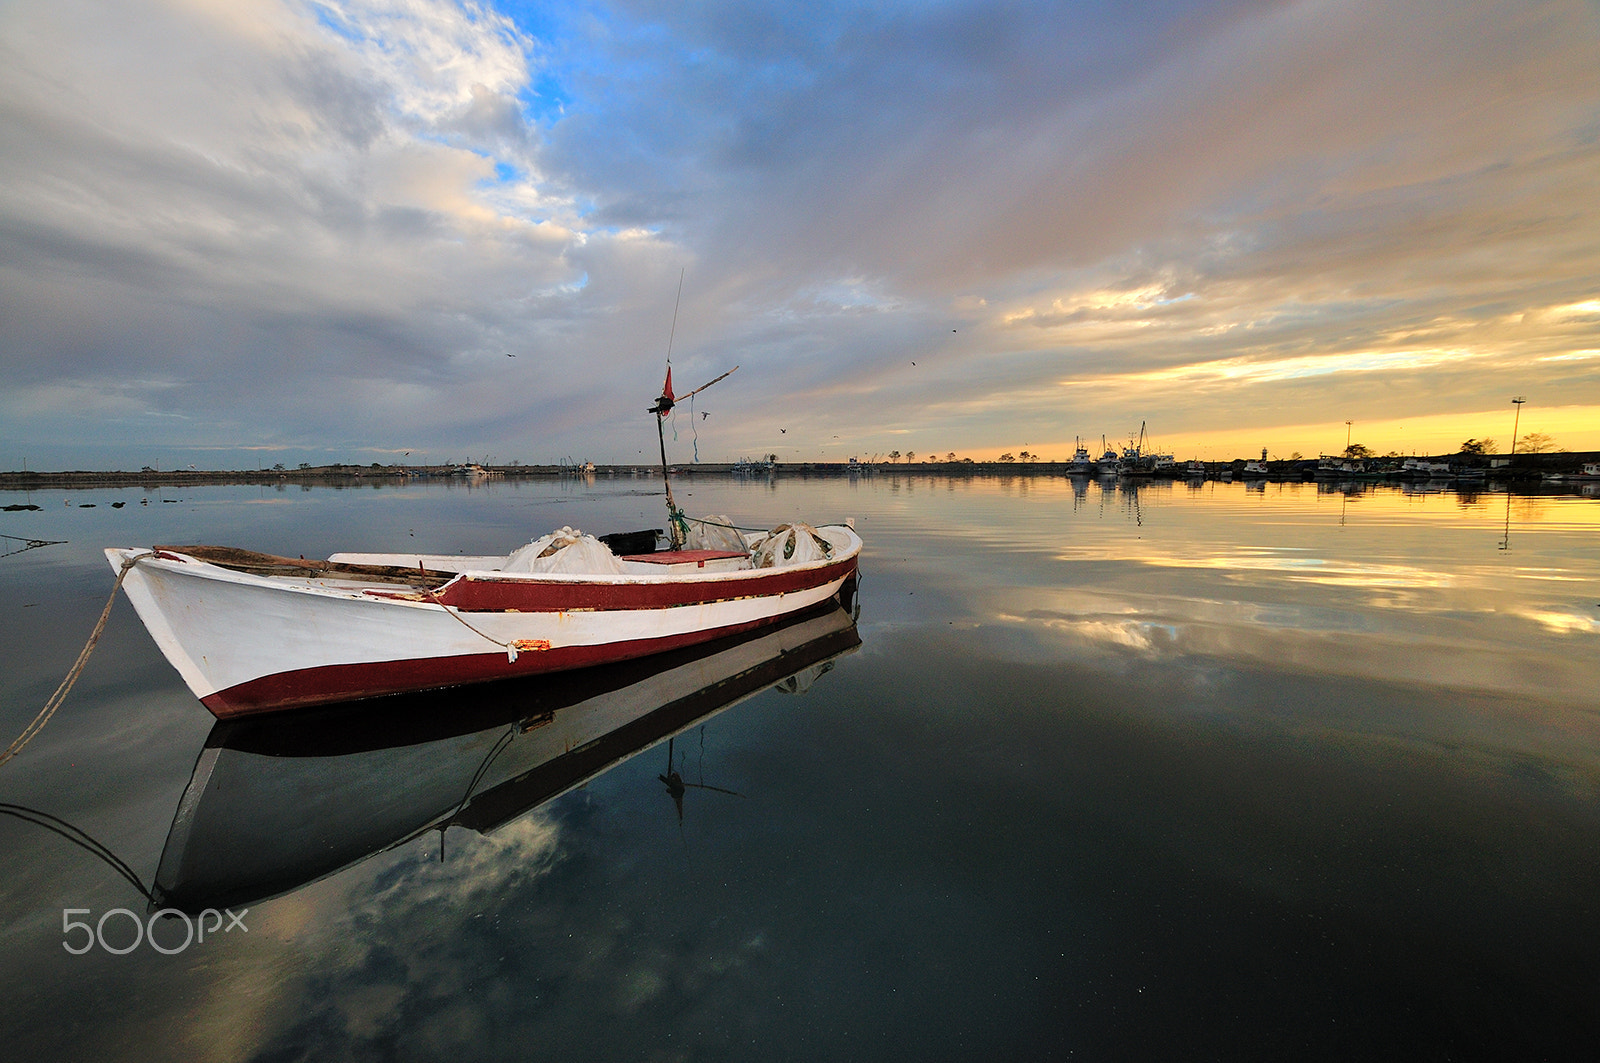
(356, 192)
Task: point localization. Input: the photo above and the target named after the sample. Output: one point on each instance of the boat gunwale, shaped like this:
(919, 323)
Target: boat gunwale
(308, 581)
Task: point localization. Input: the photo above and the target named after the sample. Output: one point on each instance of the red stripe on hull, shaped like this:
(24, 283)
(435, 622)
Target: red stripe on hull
(351, 682)
(474, 594)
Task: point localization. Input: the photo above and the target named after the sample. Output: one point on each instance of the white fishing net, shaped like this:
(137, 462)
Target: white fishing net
(791, 544)
(565, 550)
(715, 532)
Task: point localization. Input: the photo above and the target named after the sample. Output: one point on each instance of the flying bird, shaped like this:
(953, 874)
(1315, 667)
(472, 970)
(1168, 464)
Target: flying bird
(784, 431)
(704, 415)
(510, 355)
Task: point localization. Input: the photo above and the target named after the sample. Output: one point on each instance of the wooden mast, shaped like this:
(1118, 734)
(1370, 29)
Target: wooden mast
(664, 406)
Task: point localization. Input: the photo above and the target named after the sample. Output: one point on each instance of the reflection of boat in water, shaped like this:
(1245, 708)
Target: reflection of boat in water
(277, 802)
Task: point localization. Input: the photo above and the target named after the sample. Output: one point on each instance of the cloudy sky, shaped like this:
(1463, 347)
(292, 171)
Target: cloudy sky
(234, 232)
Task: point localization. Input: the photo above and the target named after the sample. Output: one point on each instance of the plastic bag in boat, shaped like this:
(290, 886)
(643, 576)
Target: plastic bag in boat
(715, 532)
(565, 550)
(791, 544)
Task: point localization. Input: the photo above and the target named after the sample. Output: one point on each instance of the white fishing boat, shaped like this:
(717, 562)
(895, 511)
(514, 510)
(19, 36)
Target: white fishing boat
(1082, 464)
(1423, 469)
(1590, 473)
(1336, 467)
(254, 633)
(251, 632)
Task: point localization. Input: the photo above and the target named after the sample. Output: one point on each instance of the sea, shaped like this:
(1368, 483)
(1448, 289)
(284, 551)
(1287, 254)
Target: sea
(1081, 770)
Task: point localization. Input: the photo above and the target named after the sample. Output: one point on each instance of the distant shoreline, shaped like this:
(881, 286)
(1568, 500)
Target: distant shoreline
(1523, 466)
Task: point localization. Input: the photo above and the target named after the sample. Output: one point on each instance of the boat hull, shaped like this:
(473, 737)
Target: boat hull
(250, 644)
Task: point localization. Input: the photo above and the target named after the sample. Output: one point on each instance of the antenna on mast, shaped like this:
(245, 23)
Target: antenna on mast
(676, 303)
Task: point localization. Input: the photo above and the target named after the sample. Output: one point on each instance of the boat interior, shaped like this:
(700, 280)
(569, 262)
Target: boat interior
(432, 571)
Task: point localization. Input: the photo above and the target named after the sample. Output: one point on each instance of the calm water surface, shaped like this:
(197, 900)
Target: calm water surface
(1172, 773)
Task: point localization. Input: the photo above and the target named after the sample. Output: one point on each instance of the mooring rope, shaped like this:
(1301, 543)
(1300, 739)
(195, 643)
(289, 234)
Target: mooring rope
(77, 836)
(509, 647)
(29, 544)
(60, 695)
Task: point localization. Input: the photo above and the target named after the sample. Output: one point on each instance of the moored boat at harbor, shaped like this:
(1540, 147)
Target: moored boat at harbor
(250, 632)
(1423, 469)
(254, 633)
(1589, 473)
(1333, 467)
(1082, 464)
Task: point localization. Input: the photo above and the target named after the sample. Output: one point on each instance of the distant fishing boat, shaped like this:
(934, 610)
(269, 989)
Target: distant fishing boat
(251, 632)
(1422, 469)
(1589, 474)
(1106, 464)
(1333, 467)
(1082, 464)
(1136, 459)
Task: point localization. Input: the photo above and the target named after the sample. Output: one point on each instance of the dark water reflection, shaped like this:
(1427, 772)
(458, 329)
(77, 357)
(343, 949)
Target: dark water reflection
(1180, 772)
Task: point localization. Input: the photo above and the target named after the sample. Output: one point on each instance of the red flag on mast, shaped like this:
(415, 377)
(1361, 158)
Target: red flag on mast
(667, 399)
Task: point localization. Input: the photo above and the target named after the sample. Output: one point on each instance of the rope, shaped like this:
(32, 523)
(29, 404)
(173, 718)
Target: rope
(693, 428)
(511, 651)
(678, 519)
(29, 544)
(60, 695)
(78, 837)
(718, 524)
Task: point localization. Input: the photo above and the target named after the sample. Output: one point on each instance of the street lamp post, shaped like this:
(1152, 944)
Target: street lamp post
(1347, 426)
(1515, 421)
